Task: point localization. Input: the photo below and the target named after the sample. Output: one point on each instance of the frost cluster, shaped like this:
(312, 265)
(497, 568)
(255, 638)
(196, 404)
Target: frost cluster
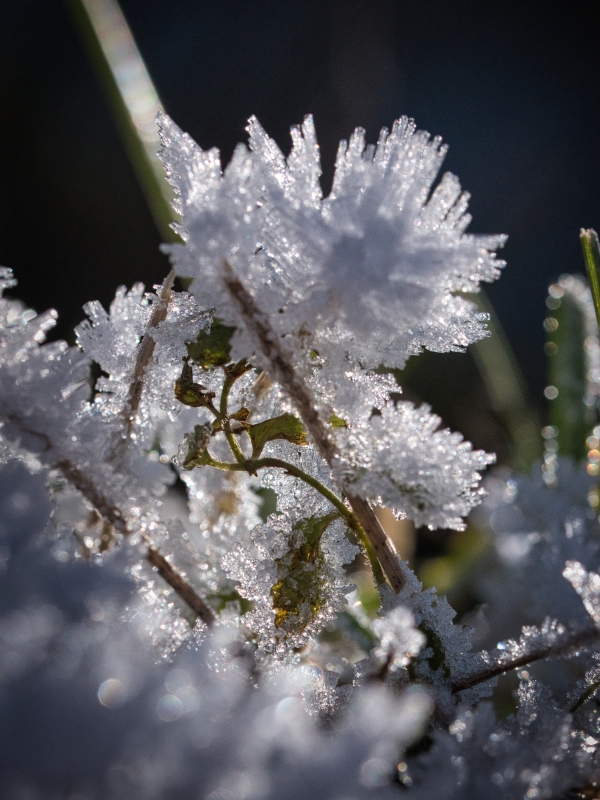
(187, 499)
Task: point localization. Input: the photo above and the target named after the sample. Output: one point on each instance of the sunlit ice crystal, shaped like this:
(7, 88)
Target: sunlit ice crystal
(587, 586)
(372, 270)
(400, 460)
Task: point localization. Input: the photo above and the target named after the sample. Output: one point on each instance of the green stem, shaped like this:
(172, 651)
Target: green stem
(507, 390)
(591, 256)
(231, 376)
(252, 466)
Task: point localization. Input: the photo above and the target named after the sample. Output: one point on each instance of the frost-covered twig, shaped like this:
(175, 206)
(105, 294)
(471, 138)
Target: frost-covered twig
(552, 640)
(283, 371)
(144, 354)
(180, 586)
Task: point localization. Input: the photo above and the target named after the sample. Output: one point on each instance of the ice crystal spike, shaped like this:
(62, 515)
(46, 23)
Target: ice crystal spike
(587, 586)
(372, 270)
(400, 460)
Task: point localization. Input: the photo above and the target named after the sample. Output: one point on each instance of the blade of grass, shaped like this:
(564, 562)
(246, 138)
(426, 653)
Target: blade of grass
(507, 390)
(132, 97)
(567, 369)
(591, 256)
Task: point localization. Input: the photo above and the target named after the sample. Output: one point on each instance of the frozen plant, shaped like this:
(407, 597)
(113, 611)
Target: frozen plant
(213, 646)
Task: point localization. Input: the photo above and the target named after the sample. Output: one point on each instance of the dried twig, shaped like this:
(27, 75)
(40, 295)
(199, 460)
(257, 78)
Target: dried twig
(176, 581)
(566, 642)
(144, 355)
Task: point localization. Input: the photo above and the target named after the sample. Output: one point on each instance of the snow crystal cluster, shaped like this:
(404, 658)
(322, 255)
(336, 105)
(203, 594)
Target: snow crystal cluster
(189, 552)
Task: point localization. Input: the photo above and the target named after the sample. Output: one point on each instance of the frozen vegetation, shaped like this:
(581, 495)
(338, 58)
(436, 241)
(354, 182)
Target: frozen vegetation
(187, 493)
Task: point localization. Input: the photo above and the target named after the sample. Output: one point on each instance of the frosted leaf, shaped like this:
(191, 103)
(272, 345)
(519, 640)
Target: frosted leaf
(293, 575)
(399, 459)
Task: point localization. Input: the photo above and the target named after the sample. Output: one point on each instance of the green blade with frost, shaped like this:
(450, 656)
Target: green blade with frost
(565, 329)
(591, 256)
(132, 97)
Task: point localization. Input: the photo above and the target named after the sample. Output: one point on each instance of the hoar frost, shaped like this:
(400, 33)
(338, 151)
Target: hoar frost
(209, 643)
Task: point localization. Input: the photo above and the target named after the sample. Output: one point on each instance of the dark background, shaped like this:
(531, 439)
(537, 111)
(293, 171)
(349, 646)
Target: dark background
(513, 87)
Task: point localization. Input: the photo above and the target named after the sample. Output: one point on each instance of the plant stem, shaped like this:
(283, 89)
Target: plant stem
(562, 646)
(586, 695)
(145, 353)
(591, 256)
(169, 574)
(231, 376)
(507, 390)
(132, 97)
(252, 466)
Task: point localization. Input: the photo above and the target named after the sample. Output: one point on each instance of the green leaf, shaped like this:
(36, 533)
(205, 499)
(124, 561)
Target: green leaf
(193, 450)
(337, 422)
(190, 393)
(286, 426)
(212, 348)
(565, 328)
(241, 415)
(591, 256)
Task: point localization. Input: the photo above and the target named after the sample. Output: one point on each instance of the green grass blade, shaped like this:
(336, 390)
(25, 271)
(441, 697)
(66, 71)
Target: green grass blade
(591, 256)
(132, 96)
(567, 370)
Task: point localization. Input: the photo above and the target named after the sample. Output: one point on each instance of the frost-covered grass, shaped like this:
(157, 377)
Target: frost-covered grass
(157, 643)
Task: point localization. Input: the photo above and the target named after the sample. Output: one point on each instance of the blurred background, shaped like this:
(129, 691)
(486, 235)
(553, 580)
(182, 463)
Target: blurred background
(512, 86)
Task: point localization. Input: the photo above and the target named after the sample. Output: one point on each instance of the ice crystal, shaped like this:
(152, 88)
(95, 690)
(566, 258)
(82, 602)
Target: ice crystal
(371, 270)
(112, 340)
(399, 640)
(400, 460)
(587, 586)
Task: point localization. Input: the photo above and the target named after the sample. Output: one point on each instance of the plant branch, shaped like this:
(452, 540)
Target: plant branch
(586, 695)
(231, 376)
(565, 643)
(259, 327)
(176, 581)
(252, 466)
(144, 356)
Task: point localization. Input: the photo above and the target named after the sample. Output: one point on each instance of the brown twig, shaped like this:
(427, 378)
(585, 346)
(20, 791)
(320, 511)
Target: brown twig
(571, 640)
(176, 581)
(144, 355)
(260, 328)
